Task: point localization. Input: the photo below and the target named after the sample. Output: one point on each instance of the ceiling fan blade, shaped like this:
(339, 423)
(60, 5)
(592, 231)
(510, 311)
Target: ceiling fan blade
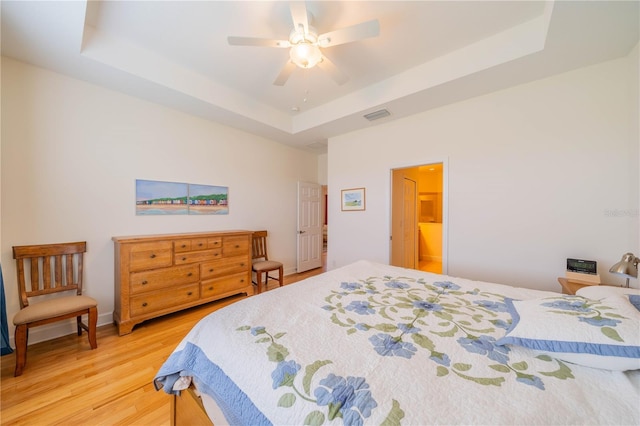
(329, 67)
(285, 73)
(349, 34)
(260, 42)
(299, 15)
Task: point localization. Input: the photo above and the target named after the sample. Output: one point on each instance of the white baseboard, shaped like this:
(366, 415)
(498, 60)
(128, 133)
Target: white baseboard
(290, 271)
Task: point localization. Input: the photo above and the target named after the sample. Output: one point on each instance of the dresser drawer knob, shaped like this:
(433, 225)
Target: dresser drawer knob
(242, 264)
(184, 245)
(210, 288)
(211, 270)
(184, 258)
(190, 293)
(153, 256)
(144, 304)
(200, 245)
(242, 280)
(144, 282)
(189, 274)
(237, 246)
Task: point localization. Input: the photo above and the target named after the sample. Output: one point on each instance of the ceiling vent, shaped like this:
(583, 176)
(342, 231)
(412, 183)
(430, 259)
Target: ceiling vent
(317, 145)
(376, 115)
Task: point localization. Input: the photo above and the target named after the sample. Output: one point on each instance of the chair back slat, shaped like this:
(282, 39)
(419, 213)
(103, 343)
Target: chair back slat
(34, 272)
(69, 268)
(52, 268)
(58, 272)
(259, 245)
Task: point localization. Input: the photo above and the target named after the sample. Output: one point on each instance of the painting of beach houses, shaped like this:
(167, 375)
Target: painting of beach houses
(170, 198)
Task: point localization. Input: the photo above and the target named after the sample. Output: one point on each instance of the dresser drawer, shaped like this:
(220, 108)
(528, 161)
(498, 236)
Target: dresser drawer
(232, 246)
(161, 278)
(220, 286)
(157, 300)
(215, 242)
(150, 256)
(191, 244)
(194, 244)
(224, 266)
(196, 256)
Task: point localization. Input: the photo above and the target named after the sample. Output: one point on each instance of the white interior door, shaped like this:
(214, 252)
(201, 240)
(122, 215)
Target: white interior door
(404, 222)
(309, 239)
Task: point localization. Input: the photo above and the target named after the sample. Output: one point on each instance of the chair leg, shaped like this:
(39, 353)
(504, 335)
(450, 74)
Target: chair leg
(79, 324)
(281, 276)
(93, 321)
(21, 336)
(259, 281)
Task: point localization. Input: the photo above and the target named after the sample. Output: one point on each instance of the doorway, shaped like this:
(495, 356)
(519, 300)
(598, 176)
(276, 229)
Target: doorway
(418, 202)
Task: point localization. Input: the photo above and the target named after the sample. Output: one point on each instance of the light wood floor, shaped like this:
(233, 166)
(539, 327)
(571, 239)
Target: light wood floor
(66, 383)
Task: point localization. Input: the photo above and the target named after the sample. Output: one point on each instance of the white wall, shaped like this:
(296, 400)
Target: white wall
(322, 169)
(71, 153)
(536, 173)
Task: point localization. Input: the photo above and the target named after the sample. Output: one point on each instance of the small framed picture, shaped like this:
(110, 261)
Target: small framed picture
(353, 199)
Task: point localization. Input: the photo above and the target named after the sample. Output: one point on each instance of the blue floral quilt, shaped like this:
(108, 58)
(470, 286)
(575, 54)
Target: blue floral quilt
(375, 344)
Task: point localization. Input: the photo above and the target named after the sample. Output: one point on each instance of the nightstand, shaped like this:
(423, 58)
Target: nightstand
(571, 286)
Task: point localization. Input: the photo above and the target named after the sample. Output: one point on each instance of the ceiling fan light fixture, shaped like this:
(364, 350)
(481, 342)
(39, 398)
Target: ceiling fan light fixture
(305, 55)
(305, 43)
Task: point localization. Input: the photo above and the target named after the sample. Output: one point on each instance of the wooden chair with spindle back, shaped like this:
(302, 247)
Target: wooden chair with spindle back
(261, 263)
(44, 270)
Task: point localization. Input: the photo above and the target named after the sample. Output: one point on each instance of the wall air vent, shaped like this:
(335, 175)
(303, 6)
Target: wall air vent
(376, 115)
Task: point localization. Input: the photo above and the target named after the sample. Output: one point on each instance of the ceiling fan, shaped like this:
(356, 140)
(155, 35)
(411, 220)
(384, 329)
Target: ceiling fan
(305, 44)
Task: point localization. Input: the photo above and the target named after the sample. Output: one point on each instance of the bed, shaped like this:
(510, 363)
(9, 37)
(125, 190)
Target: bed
(375, 344)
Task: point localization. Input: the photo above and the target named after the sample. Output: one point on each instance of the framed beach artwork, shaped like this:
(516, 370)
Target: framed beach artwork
(208, 199)
(161, 198)
(353, 199)
(170, 198)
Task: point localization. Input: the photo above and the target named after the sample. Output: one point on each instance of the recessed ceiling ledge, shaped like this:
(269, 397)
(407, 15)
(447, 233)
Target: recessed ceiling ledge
(147, 65)
(519, 41)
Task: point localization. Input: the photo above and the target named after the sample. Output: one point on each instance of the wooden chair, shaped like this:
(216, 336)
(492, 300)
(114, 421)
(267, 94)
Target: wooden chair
(44, 270)
(261, 263)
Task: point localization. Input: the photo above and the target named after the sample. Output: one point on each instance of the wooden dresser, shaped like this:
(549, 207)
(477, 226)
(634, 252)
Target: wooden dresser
(159, 274)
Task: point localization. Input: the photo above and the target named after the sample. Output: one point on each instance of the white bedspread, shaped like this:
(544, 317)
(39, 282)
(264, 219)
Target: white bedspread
(375, 344)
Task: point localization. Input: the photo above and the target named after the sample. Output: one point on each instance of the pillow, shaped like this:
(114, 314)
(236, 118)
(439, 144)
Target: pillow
(635, 300)
(602, 291)
(595, 333)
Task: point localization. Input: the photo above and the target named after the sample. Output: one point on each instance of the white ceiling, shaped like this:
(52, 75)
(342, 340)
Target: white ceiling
(428, 54)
